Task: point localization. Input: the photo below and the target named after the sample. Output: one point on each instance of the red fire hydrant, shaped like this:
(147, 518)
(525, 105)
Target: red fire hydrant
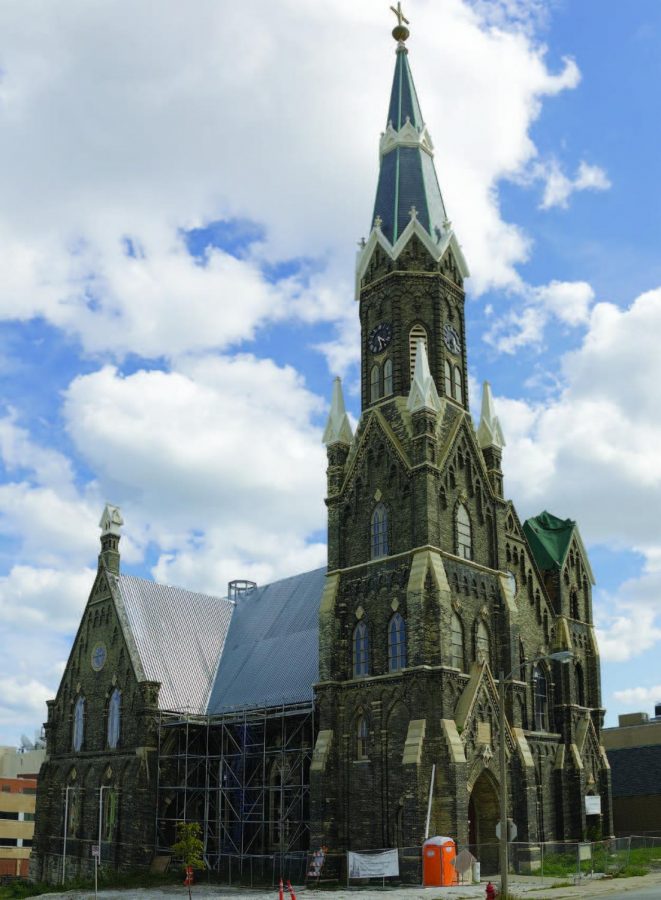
(492, 893)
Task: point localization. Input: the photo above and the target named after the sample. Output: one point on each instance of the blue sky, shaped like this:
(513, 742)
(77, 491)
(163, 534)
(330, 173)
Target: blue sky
(181, 197)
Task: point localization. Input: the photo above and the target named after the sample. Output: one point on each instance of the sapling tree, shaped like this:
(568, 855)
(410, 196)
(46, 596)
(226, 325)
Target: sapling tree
(189, 847)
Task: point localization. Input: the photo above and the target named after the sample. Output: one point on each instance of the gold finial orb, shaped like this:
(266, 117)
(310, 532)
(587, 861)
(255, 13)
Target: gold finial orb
(400, 32)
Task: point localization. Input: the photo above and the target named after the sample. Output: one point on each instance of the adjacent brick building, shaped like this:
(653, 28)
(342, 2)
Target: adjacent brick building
(320, 710)
(17, 804)
(634, 754)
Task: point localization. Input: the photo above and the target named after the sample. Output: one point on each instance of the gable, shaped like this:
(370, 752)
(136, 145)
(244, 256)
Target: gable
(375, 427)
(177, 637)
(550, 539)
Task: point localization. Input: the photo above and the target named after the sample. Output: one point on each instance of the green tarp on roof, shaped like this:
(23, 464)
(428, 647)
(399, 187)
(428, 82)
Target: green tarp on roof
(549, 538)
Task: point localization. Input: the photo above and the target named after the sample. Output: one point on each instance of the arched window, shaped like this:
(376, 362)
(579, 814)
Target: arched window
(387, 378)
(447, 368)
(541, 699)
(374, 384)
(580, 685)
(73, 813)
(110, 811)
(482, 644)
(573, 602)
(360, 650)
(396, 643)
(457, 392)
(457, 643)
(114, 718)
(417, 333)
(463, 525)
(78, 723)
(362, 733)
(379, 531)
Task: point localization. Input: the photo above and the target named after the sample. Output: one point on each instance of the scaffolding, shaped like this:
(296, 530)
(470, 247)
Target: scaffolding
(244, 776)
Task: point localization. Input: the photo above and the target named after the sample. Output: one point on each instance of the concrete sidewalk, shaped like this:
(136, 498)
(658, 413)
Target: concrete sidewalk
(532, 887)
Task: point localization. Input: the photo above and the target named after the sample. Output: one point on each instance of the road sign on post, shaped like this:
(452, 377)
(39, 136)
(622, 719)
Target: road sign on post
(96, 851)
(512, 830)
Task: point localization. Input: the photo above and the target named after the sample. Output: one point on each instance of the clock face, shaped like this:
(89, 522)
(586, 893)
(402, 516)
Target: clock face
(451, 339)
(99, 657)
(379, 337)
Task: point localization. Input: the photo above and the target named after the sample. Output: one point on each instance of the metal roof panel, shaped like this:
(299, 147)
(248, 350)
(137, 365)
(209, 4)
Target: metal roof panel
(179, 635)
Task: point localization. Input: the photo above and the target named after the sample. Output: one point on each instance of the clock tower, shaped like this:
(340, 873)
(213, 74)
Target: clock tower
(432, 585)
(410, 271)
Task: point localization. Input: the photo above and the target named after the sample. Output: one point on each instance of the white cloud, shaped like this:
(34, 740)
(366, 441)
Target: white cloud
(638, 696)
(558, 187)
(108, 131)
(591, 454)
(220, 464)
(44, 598)
(568, 302)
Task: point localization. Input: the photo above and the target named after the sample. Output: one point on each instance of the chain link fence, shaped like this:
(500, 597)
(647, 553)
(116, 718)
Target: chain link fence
(543, 862)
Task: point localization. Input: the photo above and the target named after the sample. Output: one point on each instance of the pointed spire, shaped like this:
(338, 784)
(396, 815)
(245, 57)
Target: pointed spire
(423, 393)
(338, 429)
(110, 524)
(407, 176)
(489, 432)
(111, 520)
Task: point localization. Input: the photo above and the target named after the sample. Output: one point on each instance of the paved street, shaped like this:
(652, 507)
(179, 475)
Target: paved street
(647, 887)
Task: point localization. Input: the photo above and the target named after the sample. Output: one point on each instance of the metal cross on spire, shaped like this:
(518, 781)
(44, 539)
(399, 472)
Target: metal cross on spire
(400, 15)
(400, 32)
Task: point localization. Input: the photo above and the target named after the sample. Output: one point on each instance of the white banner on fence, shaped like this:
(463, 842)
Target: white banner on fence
(373, 865)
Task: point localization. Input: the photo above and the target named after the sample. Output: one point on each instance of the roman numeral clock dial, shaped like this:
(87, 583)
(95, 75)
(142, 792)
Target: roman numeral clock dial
(379, 337)
(451, 338)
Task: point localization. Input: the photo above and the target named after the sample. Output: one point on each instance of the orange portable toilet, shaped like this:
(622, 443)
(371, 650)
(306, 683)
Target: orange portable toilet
(438, 854)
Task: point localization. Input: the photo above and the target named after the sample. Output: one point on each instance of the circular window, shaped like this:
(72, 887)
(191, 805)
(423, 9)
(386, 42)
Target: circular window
(99, 654)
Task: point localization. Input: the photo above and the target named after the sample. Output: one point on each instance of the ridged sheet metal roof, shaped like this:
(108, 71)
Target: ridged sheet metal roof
(179, 637)
(271, 653)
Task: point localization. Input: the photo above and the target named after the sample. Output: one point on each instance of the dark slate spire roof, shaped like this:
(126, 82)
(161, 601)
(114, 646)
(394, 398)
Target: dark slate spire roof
(407, 177)
(403, 99)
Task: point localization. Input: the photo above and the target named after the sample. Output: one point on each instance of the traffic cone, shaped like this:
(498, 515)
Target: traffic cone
(281, 892)
(291, 890)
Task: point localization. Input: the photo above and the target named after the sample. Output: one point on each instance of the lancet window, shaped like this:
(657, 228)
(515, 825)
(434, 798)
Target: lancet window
(482, 644)
(360, 650)
(541, 699)
(457, 643)
(464, 535)
(379, 531)
(114, 718)
(78, 724)
(396, 643)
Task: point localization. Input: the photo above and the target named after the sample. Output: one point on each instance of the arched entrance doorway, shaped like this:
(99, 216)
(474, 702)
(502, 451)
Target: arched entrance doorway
(483, 818)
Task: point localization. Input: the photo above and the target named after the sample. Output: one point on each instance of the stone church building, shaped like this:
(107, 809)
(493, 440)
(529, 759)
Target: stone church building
(343, 707)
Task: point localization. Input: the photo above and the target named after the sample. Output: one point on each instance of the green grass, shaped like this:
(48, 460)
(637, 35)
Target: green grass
(19, 889)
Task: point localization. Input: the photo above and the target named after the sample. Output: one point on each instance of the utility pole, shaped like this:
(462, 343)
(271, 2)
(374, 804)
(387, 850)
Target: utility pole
(503, 848)
(66, 830)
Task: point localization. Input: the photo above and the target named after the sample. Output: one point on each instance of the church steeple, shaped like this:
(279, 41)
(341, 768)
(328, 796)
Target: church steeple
(410, 270)
(407, 178)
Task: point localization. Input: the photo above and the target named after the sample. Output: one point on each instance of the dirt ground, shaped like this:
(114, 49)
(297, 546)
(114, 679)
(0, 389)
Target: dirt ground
(533, 888)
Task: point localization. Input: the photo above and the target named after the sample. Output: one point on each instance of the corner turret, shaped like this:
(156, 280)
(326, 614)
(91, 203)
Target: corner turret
(491, 440)
(110, 525)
